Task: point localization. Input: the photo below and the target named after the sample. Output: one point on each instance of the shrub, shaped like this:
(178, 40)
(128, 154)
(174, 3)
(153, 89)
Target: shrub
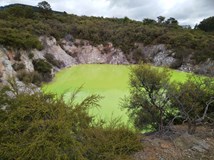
(113, 141)
(42, 126)
(148, 103)
(30, 55)
(42, 66)
(29, 77)
(19, 39)
(195, 100)
(176, 64)
(18, 66)
(138, 56)
(207, 24)
(51, 59)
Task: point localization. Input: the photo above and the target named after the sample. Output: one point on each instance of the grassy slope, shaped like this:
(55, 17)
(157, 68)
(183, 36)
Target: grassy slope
(109, 81)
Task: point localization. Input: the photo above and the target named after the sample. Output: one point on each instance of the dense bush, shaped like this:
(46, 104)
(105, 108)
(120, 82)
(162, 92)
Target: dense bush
(111, 142)
(51, 59)
(29, 77)
(19, 38)
(18, 66)
(42, 66)
(42, 126)
(207, 24)
(44, 69)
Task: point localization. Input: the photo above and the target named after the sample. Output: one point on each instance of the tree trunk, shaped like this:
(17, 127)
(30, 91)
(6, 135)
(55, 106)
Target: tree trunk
(191, 127)
(161, 122)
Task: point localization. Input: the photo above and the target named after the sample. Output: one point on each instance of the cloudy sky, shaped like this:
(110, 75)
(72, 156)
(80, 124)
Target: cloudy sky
(185, 11)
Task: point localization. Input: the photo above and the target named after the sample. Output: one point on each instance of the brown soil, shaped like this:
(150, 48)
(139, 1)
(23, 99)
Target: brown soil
(179, 145)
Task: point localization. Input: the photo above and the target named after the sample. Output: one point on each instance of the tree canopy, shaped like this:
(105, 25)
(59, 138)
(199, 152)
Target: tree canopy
(44, 5)
(207, 24)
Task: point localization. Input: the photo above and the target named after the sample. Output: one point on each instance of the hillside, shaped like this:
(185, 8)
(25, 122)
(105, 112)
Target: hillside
(161, 43)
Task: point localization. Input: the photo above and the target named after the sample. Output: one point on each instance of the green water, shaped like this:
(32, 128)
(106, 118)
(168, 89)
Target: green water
(109, 81)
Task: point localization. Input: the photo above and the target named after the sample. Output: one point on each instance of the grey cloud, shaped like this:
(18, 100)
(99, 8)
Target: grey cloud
(185, 11)
(129, 3)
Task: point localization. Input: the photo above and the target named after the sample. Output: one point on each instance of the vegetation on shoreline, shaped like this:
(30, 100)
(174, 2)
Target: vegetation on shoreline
(156, 102)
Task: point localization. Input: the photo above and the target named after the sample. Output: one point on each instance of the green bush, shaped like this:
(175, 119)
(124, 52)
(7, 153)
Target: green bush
(149, 103)
(30, 55)
(42, 66)
(42, 126)
(110, 142)
(29, 77)
(19, 38)
(207, 24)
(18, 66)
(194, 99)
(51, 59)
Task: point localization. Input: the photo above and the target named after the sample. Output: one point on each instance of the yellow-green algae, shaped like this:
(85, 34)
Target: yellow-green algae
(109, 81)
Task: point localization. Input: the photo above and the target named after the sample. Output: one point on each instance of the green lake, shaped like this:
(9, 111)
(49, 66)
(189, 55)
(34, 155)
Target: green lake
(109, 81)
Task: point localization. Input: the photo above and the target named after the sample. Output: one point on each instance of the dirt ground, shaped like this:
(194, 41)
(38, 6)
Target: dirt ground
(179, 145)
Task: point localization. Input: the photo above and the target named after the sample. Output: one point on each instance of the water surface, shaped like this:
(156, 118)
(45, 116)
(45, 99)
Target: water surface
(109, 81)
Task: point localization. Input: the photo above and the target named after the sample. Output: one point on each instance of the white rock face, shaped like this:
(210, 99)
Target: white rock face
(206, 67)
(90, 54)
(27, 62)
(85, 53)
(38, 54)
(163, 59)
(6, 69)
(72, 52)
(159, 55)
(71, 49)
(53, 48)
(118, 58)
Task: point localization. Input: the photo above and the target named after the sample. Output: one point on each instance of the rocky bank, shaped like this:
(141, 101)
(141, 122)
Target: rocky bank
(68, 52)
(71, 52)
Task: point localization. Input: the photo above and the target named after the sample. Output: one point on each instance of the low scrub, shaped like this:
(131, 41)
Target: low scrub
(42, 126)
(111, 142)
(52, 60)
(18, 66)
(44, 69)
(29, 77)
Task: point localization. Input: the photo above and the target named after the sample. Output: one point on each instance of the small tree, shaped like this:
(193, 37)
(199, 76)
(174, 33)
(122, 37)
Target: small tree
(44, 68)
(171, 21)
(161, 19)
(45, 8)
(44, 5)
(149, 21)
(207, 24)
(149, 103)
(195, 100)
